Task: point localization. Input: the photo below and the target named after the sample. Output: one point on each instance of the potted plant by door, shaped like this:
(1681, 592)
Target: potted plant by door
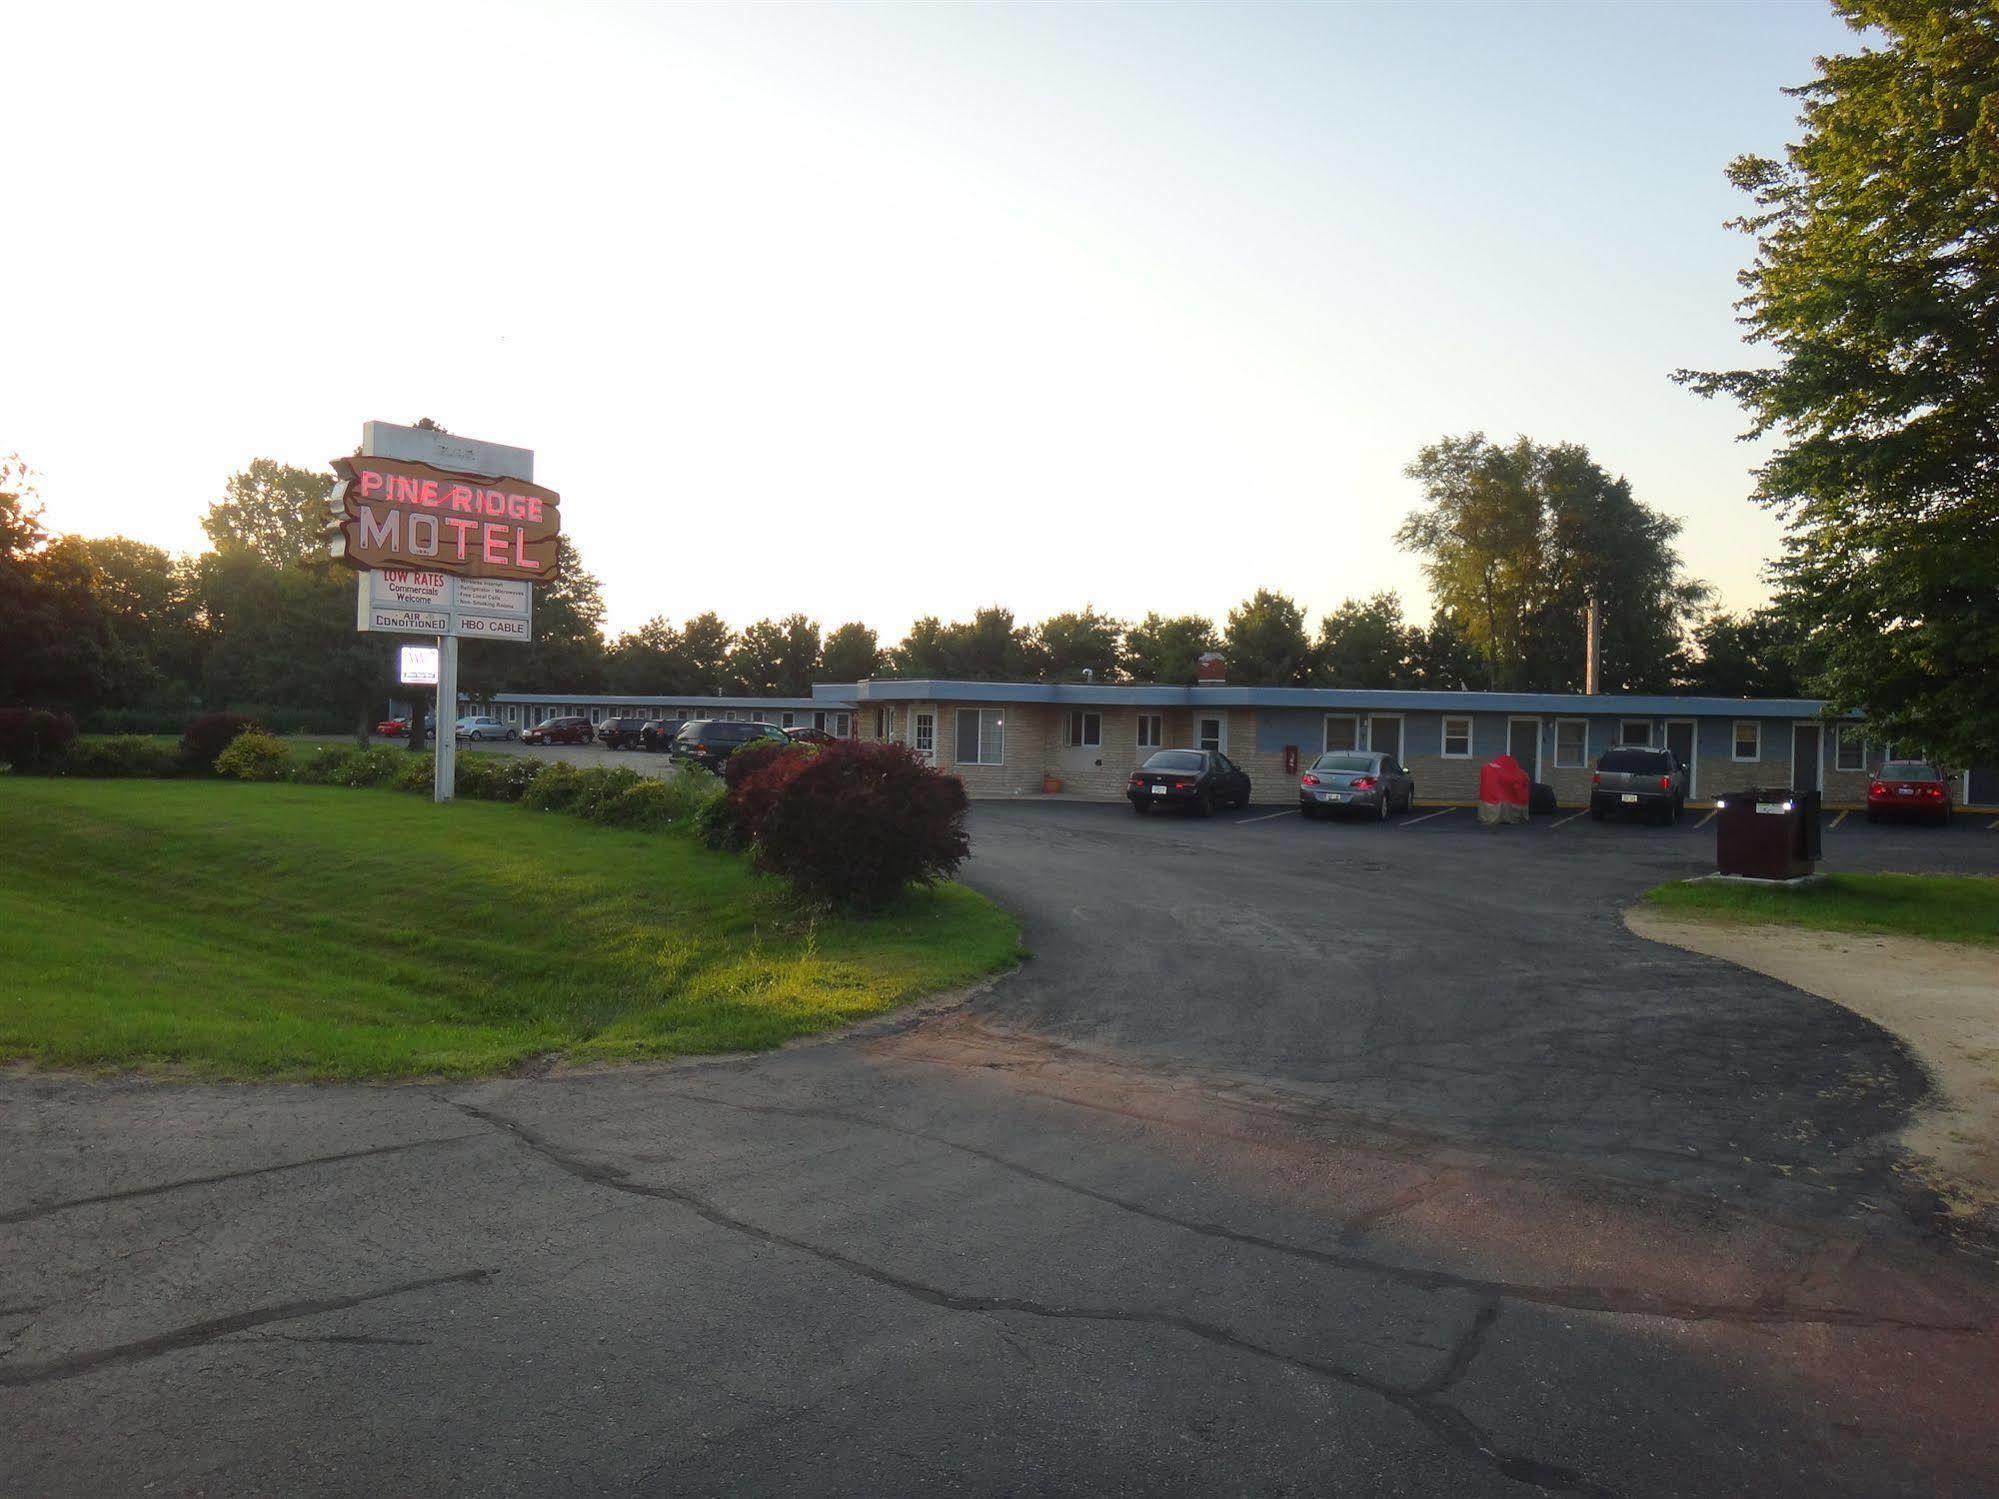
(1049, 783)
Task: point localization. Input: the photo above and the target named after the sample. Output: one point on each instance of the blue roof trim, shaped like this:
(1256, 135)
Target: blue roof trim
(1333, 698)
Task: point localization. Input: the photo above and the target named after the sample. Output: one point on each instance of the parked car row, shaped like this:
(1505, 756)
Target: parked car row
(707, 742)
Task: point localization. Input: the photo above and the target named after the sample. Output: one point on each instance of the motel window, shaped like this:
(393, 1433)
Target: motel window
(757, 715)
(1634, 731)
(843, 725)
(1748, 742)
(1150, 727)
(1083, 730)
(981, 737)
(789, 721)
(1571, 743)
(1342, 732)
(1457, 738)
(1849, 749)
(926, 733)
(1213, 734)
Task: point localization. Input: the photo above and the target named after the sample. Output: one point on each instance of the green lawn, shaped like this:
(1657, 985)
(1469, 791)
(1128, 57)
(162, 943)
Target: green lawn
(272, 930)
(1945, 908)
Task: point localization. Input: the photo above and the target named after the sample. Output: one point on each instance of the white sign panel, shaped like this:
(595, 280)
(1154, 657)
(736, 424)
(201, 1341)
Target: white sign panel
(405, 601)
(419, 665)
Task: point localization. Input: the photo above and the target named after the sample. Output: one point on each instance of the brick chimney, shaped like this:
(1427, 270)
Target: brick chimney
(1211, 670)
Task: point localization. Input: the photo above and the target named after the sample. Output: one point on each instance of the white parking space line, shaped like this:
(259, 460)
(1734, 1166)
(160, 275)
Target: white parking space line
(1712, 814)
(1288, 812)
(1410, 822)
(1838, 820)
(1994, 823)
(1567, 820)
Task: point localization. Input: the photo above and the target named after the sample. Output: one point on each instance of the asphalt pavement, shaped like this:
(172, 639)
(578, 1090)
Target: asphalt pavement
(1358, 1159)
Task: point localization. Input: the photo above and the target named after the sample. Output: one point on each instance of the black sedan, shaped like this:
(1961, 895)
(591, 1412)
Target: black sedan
(657, 735)
(1198, 780)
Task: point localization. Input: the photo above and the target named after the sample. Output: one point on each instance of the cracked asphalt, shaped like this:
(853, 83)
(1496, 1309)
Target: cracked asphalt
(1297, 1158)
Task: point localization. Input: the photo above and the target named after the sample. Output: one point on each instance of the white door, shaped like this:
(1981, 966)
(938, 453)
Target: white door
(923, 731)
(1211, 732)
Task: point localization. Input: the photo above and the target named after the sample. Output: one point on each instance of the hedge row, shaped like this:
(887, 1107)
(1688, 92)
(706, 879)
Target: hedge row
(614, 797)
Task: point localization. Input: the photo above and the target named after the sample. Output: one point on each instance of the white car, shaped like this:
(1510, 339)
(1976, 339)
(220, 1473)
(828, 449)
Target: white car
(485, 728)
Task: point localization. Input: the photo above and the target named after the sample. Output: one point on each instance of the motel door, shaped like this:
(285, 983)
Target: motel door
(1384, 736)
(923, 730)
(1680, 740)
(1805, 757)
(1523, 743)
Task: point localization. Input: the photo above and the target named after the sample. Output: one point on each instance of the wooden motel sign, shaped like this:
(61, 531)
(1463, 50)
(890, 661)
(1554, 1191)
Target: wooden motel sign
(394, 512)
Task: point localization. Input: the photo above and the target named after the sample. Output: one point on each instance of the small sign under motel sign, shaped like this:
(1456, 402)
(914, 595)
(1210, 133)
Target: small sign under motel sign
(418, 601)
(395, 512)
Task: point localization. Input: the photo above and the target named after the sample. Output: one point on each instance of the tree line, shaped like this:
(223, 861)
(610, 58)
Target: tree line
(1514, 539)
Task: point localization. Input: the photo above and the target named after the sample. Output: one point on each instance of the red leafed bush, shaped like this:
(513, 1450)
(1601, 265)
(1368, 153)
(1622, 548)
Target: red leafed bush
(211, 734)
(32, 738)
(854, 823)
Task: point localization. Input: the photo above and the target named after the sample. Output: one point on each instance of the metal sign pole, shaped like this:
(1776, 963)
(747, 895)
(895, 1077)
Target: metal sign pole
(446, 779)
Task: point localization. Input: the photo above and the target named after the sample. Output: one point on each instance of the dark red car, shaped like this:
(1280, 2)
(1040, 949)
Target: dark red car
(1909, 788)
(560, 731)
(393, 728)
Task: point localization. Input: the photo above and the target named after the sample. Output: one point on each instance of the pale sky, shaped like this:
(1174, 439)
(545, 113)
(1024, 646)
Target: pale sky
(875, 311)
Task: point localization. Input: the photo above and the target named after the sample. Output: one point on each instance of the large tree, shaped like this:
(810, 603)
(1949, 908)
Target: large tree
(1067, 645)
(649, 661)
(707, 641)
(989, 647)
(1747, 655)
(1875, 285)
(56, 643)
(1265, 641)
(274, 511)
(1363, 643)
(1516, 540)
(776, 658)
(1160, 648)
(852, 652)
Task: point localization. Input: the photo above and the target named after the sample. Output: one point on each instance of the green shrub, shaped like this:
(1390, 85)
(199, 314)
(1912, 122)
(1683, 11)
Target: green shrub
(659, 804)
(555, 789)
(31, 739)
(337, 765)
(719, 827)
(496, 778)
(411, 772)
(168, 715)
(599, 789)
(211, 734)
(125, 755)
(255, 756)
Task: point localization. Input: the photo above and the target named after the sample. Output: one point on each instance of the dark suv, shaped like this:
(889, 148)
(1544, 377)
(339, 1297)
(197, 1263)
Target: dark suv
(622, 733)
(708, 742)
(1638, 778)
(559, 731)
(657, 735)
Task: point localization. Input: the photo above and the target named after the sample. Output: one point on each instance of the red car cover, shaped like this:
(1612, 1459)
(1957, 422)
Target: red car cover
(1503, 780)
(1503, 792)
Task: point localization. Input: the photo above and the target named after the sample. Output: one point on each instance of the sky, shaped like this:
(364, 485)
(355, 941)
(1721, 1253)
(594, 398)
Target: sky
(879, 311)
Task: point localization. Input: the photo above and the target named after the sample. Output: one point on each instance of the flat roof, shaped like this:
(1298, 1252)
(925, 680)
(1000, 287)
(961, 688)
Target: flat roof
(1149, 695)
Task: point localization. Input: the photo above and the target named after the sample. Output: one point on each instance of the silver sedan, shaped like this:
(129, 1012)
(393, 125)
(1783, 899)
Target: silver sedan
(1355, 780)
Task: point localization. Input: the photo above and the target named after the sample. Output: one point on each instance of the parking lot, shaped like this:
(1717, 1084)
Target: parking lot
(1354, 1158)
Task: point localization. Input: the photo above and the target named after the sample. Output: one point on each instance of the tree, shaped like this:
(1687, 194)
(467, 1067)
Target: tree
(1442, 657)
(1162, 649)
(149, 601)
(1516, 541)
(707, 641)
(1265, 641)
(797, 655)
(851, 654)
(754, 663)
(1363, 643)
(923, 651)
(649, 661)
(1746, 655)
(275, 511)
(989, 647)
(1067, 645)
(1875, 283)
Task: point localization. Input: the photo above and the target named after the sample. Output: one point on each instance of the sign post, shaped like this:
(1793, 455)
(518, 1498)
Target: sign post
(448, 535)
